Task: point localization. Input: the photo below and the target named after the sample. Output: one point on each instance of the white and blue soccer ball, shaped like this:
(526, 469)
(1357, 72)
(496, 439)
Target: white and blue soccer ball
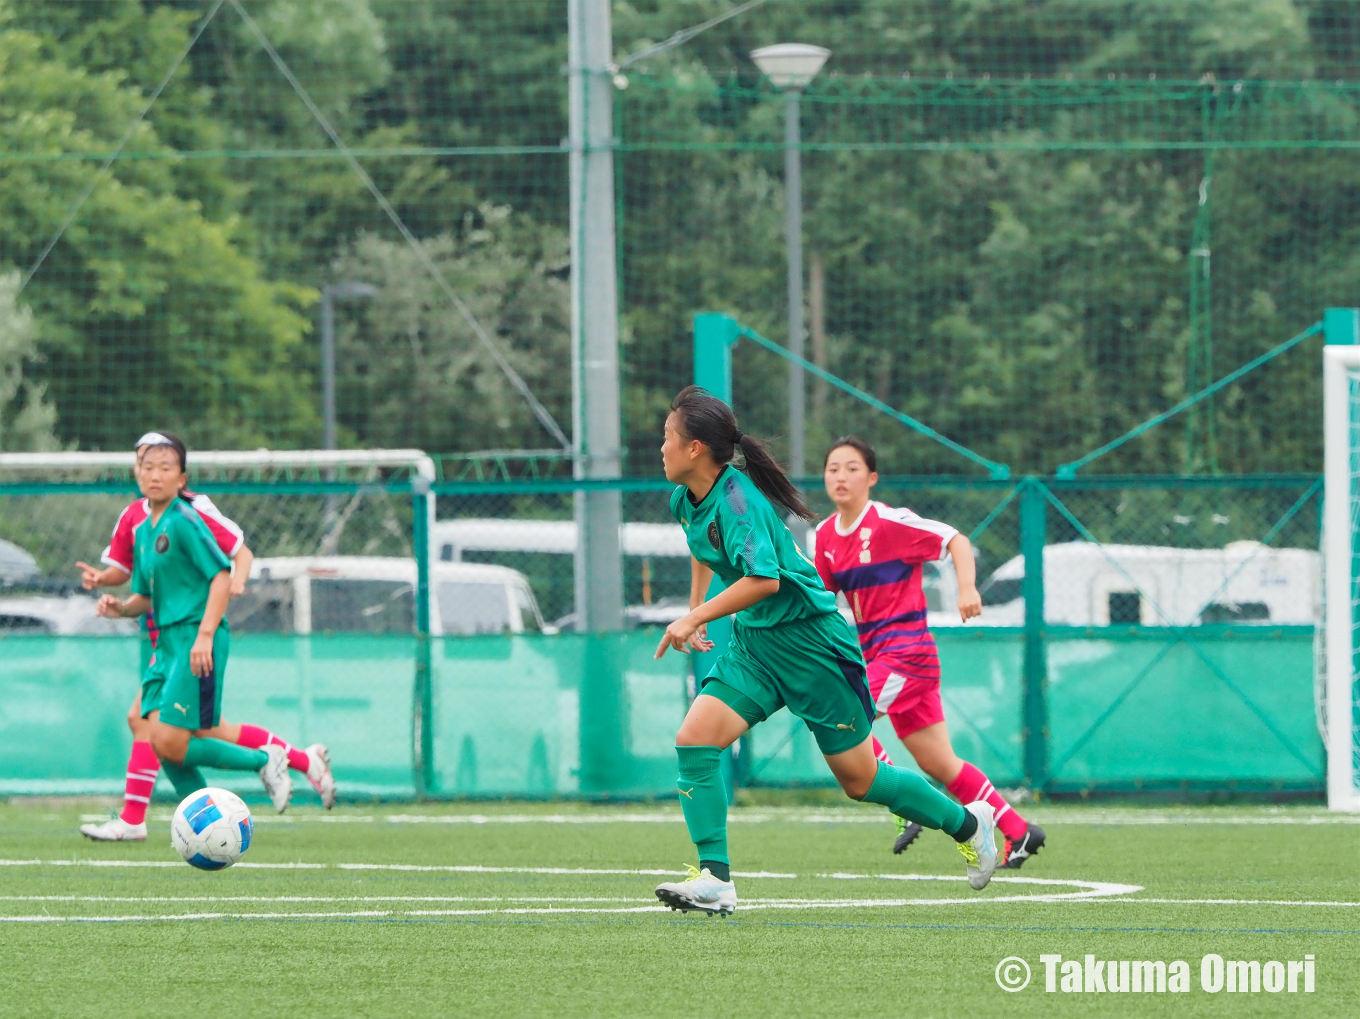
(211, 829)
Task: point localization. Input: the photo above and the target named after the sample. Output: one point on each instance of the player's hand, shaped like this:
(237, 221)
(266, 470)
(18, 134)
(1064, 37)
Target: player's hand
(89, 576)
(682, 635)
(970, 604)
(200, 656)
(238, 586)
(109, 606)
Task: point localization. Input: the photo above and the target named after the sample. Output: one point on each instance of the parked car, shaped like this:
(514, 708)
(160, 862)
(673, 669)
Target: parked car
(1086, 584)
(659, 613)
(58, 616)
(16, 565)
(376, 594)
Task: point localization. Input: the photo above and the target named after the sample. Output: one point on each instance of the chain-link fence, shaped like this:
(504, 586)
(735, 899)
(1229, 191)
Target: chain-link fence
(1174, 646)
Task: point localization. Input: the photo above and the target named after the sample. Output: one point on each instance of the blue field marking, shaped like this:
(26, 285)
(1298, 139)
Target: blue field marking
(203, 863)
(201, 813)
(247, 829)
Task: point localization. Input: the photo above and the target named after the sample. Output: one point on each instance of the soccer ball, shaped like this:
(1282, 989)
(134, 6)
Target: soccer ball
(211, 829)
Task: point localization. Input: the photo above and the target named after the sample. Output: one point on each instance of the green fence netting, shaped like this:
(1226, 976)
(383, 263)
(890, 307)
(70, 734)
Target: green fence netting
(1174, 649)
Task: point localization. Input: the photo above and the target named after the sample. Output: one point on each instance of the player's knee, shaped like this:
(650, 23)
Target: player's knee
(134, 718)
(167, 747)
(689, 736)
(856, 787)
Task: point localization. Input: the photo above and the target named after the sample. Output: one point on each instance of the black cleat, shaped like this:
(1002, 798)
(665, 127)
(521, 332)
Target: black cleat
(1020, 850)
(907, 834)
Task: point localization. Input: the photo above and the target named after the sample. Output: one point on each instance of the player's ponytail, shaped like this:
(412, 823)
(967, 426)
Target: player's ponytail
(707, 419)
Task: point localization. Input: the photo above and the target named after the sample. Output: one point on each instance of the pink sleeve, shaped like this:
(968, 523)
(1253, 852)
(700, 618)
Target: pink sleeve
(119, 551)
(226, 531)
(820, 560)
(912, 538)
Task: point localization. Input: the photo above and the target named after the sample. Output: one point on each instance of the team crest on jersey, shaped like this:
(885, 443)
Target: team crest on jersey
(163, 543)
(714, 538)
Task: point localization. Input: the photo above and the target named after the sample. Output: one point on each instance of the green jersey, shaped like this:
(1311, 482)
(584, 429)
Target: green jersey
(174, 562)
(736, 532)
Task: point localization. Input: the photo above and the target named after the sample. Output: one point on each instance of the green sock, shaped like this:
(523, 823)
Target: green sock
(909, 795)
(704, 802)
(214, 753)
(185, 779)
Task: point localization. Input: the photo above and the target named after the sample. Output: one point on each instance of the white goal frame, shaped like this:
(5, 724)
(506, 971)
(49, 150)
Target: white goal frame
(1338, 551)
(417, 459)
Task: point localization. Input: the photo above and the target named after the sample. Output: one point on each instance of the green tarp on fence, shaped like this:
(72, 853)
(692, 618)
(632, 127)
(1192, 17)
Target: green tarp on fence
(577, 715)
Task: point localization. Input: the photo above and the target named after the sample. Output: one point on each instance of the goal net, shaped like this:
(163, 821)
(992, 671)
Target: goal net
(57, 508)
(1340, 636)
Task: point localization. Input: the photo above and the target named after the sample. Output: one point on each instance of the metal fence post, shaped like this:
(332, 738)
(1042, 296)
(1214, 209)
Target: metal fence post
(714, 336)
(1034, 724)
(423, 713)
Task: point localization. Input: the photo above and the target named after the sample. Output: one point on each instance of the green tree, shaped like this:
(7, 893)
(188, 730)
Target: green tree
(411, 370)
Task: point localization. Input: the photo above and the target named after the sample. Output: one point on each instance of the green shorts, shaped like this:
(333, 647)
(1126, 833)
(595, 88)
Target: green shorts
(813, 667)
(169, 685)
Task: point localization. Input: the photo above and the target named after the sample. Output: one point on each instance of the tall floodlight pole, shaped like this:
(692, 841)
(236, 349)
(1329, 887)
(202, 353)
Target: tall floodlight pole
(791, 67)
(597, 434)
(349, 288)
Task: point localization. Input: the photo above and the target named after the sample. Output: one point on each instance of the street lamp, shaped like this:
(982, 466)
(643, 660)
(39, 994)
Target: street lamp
(791, 66)
(329, 293)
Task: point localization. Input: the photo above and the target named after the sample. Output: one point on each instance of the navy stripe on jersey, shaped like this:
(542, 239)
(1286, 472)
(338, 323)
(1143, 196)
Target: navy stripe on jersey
(892, 571)
(877, 624)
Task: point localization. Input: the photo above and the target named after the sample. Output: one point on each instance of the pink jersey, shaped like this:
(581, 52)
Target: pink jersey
(229, 536)
(876, 563)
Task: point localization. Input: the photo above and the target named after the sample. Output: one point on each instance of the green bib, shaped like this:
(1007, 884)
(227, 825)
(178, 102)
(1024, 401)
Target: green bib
(736, 532)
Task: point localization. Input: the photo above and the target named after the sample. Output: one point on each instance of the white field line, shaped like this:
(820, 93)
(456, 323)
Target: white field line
(784, 815)
(650, 907)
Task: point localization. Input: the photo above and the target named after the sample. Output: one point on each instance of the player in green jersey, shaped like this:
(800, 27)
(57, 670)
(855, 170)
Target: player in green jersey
(790, 648)
(181, 575)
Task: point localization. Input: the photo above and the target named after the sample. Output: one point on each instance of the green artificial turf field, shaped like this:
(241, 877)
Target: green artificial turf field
(463, 909)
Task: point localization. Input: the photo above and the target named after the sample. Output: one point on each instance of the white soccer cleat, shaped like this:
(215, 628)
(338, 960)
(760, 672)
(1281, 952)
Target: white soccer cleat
(700, 891)
(980, 850)
(274, 775)
(116, 830)
(319, 773)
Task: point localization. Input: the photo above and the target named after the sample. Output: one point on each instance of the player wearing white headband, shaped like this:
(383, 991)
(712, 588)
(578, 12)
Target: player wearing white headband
(143, 764)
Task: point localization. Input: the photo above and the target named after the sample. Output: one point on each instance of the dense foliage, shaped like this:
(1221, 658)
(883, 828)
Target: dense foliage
(1004, 222)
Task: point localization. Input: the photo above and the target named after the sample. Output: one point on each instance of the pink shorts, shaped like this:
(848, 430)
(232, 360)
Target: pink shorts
(909, 698)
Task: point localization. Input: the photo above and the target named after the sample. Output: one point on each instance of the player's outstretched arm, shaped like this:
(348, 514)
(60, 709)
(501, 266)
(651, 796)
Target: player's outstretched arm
(965, 568)
(92, 577)
(741, 595)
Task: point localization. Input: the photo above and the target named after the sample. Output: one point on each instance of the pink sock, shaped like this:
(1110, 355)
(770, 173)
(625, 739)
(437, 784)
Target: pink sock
(143, 764)
(974, 785)
(880, 753)
(254, 737)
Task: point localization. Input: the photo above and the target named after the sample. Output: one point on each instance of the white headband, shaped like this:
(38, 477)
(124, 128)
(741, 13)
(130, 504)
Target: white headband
(152, 439)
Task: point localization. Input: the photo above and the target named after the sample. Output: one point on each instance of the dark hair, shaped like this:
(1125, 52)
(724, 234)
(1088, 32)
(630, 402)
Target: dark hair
(707, 419)
(859, 445)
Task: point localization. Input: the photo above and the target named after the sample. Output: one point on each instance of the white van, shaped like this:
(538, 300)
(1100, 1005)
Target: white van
(1086, 584)
(376, 594)
(449, 539)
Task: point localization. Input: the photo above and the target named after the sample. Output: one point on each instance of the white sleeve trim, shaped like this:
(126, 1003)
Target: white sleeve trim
(904, 516)
(107, 559)
(205, 507)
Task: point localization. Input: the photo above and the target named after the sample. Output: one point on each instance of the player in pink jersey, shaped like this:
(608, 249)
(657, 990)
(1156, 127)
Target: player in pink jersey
(872, 554)
(143, 765)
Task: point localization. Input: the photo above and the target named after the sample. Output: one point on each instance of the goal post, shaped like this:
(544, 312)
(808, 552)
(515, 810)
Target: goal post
(1341, 558)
